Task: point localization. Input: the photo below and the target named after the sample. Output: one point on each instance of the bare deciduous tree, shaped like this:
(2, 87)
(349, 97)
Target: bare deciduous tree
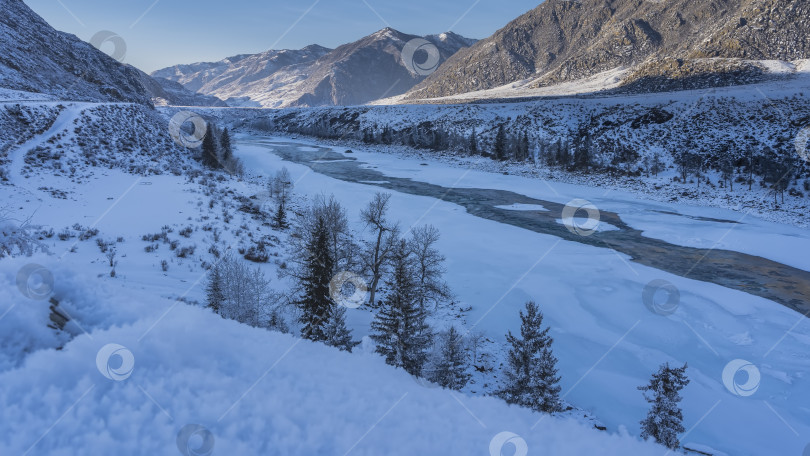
(385, 235)
(429, 266)
(281, 184)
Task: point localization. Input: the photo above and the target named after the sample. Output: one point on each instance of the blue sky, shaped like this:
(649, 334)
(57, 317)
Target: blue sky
(160, 33)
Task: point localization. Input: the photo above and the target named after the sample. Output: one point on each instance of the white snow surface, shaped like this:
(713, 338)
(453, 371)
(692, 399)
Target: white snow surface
(599, 82)
(256, 391)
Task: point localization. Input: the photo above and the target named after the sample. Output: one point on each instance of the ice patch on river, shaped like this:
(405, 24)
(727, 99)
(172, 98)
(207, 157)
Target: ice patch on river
(523, 207)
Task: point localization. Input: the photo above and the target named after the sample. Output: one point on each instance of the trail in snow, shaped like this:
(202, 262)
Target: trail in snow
(17, 154)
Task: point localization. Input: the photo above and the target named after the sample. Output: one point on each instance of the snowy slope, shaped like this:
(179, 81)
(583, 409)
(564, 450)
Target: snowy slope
(257, 392)
(602, 83)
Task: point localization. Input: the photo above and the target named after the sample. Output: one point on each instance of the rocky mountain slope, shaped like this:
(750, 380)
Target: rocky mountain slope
(355, 73)
(234, 77)
(169, 93)
(563, 40)
(37, 58)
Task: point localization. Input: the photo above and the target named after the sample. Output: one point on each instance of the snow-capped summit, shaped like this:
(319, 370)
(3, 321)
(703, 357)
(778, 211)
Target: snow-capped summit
(365, 70)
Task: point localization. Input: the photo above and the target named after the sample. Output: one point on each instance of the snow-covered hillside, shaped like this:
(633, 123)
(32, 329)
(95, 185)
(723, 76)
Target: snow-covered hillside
(256, 392)
(37, 58)
(602, 83)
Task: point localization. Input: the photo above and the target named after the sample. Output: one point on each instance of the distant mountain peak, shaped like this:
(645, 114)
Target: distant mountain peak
(354, 73)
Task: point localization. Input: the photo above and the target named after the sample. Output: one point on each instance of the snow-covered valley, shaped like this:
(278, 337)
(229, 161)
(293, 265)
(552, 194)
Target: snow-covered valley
(261, 392)
(581, 231)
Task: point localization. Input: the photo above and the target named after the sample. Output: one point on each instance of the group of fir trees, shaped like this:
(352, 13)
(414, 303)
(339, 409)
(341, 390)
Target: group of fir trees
(577, 150)
(531, 381)
(216, 151)
(402, 334)
(408, 269)
(400, 328)
(508, 147)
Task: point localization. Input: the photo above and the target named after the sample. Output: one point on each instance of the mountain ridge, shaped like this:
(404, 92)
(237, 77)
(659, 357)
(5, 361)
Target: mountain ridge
(314, 75)
(560, 41)
(37, 58)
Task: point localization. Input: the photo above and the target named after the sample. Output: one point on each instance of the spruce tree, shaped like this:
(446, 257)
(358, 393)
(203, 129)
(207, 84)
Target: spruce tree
(500, 143)
(524, 147)
(226, 146)
(315, 303)
(531, 377)
(209, 151)
(400, 328)
(335, 331)
(214, 293)
(451, 370)
(280, 218)
(473, 143)
(664, 421)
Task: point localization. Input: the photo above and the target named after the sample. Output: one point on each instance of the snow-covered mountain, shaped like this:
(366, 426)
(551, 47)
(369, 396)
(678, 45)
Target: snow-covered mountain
(561, 41)
(355, 73)
(165, 92)
(236, 77)
(36, 58)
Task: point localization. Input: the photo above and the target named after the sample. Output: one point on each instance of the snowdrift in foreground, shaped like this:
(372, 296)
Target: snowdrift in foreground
(256, 392)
